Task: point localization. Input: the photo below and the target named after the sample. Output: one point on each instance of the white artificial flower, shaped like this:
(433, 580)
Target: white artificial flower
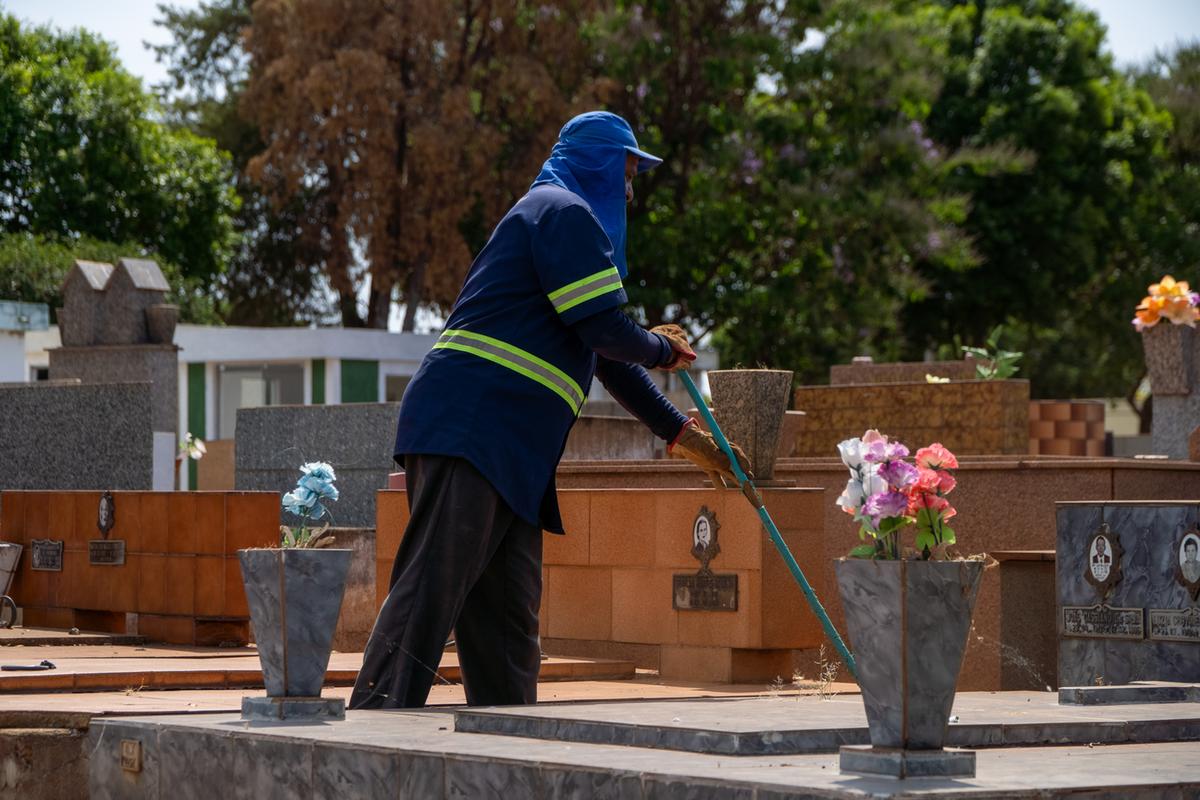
(852, 453)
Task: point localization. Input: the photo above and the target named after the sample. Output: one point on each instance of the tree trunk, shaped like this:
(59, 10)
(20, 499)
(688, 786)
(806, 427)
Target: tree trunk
(380, 302)
(413, 296)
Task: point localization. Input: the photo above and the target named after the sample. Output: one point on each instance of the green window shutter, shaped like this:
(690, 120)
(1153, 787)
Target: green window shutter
(196, 412)
(318, 381)
(360, 381)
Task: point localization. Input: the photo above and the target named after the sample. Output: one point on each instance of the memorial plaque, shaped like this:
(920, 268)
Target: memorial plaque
(46, 555)
(1175, 625)
(704, 591)
(106, 552)
(1103, 622)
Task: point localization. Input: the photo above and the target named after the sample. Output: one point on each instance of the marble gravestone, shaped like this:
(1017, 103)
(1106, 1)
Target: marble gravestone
(1128, 582)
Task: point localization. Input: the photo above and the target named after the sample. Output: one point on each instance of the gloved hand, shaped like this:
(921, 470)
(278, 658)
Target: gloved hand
(684, 354)
(701, 449)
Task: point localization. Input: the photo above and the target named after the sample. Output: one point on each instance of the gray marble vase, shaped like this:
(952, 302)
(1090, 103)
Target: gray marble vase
(908, 623)
(751, 404)
(295, 595)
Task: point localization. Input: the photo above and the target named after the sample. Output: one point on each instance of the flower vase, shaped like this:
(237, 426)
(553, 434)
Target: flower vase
(751, 404)
(908, 622)
(1170, 358)
(295, 597)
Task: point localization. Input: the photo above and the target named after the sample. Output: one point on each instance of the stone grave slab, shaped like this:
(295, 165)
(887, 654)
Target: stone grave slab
(790, 726)
(419, 754)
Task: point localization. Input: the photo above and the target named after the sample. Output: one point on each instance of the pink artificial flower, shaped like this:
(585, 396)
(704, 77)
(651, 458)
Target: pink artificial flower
(936, 457)
(946, 482)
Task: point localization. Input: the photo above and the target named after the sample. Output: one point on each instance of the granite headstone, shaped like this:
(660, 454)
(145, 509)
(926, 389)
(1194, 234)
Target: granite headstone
(356, 439)
(1128, 583)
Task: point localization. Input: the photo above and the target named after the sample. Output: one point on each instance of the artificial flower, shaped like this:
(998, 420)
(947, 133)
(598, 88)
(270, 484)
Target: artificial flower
(935, 456)
(851, 451)
(885, 504)
(899, 474)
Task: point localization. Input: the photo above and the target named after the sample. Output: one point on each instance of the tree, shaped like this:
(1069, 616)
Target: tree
(1065, 258)
(412, 121)
(274, 274)
(81, 155)
(800, 198)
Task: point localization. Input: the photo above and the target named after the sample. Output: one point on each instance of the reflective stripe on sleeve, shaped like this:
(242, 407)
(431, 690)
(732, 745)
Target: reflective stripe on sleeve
(516, 359)
(585, 289)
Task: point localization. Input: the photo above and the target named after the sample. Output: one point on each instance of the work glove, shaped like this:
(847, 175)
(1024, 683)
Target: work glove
(682, 351)
(701, 449)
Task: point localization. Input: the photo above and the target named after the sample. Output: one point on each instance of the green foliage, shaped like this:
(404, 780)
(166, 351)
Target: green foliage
(800, 199)
(32, 269)
(994, 363)
(1062, 233)
(81, 155)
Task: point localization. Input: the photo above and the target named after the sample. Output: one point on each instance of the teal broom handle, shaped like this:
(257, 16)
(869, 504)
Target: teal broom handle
(751, 493)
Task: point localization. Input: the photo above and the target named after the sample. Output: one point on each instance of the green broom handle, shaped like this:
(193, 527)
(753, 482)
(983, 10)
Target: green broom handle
(751, 493)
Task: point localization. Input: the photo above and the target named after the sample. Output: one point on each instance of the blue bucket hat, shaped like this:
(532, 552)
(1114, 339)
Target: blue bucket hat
(589, 160)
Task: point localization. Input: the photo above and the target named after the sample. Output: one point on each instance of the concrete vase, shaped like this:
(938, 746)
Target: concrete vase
(1170, 358)
(161, 319)
(908, 623)
(295, 596)
(751, 404)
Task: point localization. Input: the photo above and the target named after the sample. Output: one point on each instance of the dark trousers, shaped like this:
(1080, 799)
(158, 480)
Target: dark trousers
(466, 563)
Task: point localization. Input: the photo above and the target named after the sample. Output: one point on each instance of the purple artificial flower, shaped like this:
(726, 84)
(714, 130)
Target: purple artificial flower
(882, 451)
(899, 474)
(885, 504)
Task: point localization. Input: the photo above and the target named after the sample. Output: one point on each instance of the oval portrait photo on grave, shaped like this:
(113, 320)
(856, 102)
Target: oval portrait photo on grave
(1100, 558)
(704, 537)
(1189, 562)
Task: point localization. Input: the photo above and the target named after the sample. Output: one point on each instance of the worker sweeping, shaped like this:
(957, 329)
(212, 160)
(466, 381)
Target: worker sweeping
(485, 420)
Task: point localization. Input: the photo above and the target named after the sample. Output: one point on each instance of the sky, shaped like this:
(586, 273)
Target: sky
(1135, 27)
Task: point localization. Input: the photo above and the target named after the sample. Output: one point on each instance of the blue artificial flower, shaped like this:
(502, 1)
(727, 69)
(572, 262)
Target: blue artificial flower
(319, 470)
(299, 501)
(320, 486)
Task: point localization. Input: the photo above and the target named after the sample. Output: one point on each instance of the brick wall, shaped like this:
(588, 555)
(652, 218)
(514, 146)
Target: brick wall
(1066, 428)
(969, 417)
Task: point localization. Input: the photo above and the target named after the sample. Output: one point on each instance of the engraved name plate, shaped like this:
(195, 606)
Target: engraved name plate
(46, 555)
(106, 552)
(1103, 622)
(1175, 625)
(704, 592)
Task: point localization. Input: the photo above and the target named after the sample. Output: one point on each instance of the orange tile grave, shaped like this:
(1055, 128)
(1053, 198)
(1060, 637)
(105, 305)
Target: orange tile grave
(181, 582)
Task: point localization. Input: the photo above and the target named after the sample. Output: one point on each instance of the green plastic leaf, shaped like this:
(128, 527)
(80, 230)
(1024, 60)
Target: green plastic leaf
(863, 551)
(925, 539)
(948, 535)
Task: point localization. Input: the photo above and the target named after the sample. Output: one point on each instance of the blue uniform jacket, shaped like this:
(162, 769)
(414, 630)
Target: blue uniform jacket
(507, 378)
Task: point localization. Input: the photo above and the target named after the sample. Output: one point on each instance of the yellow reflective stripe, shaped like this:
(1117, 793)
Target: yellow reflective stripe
(516, 359)
(604, 273)
(583, 298)
(584, 289)
(566, 379)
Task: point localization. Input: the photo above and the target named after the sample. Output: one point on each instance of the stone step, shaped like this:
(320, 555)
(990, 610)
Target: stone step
(195, 668)
(43, 637)
(770, 726)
